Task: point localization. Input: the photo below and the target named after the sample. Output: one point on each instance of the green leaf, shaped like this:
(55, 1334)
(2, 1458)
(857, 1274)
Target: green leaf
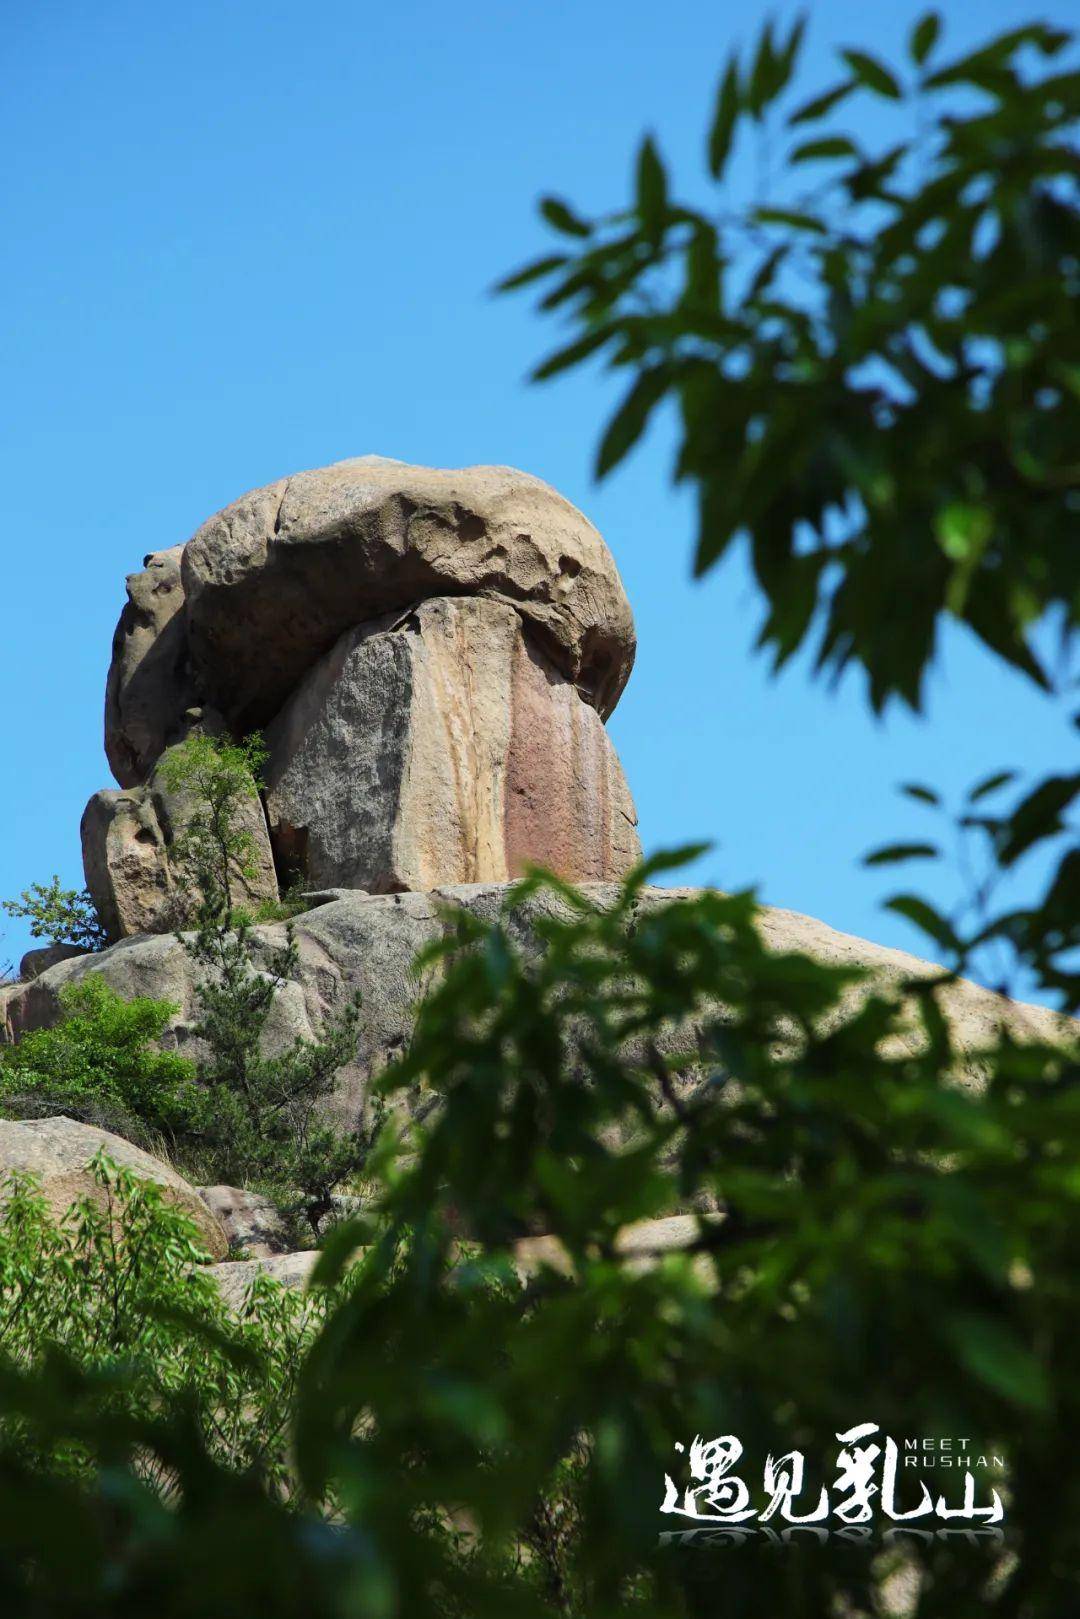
(702, 288)
(531, 272)
(787, 216)
(763, 73)
(990, 784)
(924, 36)
(963, 529)
(559, 215)
(830, 146)
(562, 359)
(991, 1350)
(820, 105)
(1039, 816)
(972, 69)
(631, 418)
(869, 71)
(651, 188)
(728, 107)
(925, 917)
(925, 795)
(893, 853)
(672, 859)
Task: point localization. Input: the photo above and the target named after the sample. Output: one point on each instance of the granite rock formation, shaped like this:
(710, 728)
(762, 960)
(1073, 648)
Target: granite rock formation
(441, 747)
(352, 941)
(58, 1153)
(129, 857)
(432, 654)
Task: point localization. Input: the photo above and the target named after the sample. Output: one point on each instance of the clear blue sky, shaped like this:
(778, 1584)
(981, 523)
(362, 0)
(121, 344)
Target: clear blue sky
(246, 238)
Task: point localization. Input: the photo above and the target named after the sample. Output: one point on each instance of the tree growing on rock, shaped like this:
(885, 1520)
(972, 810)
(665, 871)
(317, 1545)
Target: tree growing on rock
(59, 915)
(262, 1119)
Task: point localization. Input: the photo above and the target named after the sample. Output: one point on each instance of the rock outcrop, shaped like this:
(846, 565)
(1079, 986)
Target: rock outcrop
(129, 857)
(433, 654)
(367, 942)
(58, 1153)
(249, 1221)
(641, 1246)
(35, 962)
(235, 1276)
(150, 684)
(275, 578)
(441, 747)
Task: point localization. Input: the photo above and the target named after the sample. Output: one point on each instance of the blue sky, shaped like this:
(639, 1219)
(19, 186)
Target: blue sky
(246, 238)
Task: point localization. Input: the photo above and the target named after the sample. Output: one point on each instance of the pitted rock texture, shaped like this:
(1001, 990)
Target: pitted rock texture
(272, 581)
(128, 848)
(150, 685)
(367, 942)
(442, 747)
(58, 1152)
(250, 1221)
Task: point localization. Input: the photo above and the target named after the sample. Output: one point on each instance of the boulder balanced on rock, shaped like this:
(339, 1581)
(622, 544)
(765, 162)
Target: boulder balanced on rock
(431, 655)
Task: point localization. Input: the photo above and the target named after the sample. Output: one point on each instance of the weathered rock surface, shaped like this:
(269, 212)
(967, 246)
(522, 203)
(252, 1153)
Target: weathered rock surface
(367, 942)
(235, 1276)
(150, 683)
(35, 962)
(272, 581)
(440, 746)
(247, 1219)
(58, 1153)
(128, 847)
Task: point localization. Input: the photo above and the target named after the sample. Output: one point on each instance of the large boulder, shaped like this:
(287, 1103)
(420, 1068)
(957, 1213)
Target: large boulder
(249, 1220)
(272, 581)
(442, 746)
(234, 1278)
(58, 1152)
(130, 861)
(366, 943)
(35, 962)
(150, 684)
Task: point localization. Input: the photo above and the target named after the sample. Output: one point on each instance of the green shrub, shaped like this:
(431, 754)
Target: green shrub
(100, 1063)
(117, 1292)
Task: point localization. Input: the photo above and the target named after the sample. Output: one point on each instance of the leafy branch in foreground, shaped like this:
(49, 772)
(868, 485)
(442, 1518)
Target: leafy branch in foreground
(894, 1237)
(876, 373)
(998, 939)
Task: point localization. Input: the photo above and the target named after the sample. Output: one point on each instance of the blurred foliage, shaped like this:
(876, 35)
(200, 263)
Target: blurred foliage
(114, 1297)
(877, 384)
(898, 1242)
(876, 371)
(1009, 944)
(875, 375)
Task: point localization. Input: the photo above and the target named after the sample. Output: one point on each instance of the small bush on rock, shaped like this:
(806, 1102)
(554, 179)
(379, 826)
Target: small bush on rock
(100, 1064)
